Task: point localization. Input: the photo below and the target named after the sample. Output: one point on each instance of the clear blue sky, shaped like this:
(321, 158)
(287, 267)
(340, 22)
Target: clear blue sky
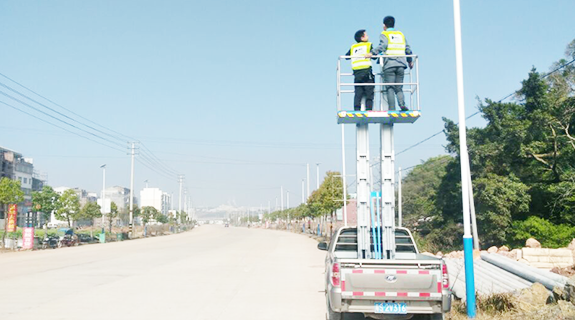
(239, 95)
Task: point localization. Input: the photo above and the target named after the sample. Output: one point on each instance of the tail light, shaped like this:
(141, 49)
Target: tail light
(335, 275)
(445, 276)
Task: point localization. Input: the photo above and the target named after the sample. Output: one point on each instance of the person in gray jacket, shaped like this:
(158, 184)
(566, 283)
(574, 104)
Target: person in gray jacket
(392, 42)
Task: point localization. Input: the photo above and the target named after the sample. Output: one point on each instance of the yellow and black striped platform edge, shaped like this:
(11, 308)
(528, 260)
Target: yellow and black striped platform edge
(401, 114)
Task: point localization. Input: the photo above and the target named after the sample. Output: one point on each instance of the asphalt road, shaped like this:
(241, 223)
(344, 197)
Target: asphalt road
(211, 272)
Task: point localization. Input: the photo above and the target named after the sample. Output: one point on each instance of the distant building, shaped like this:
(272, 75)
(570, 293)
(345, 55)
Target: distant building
(14, 166)
(154, 197)
(120, 196)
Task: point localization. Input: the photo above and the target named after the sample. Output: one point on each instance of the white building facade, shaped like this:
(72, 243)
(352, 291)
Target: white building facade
(154, 197)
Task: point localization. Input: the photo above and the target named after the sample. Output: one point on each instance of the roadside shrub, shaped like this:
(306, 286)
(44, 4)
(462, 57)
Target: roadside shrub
(548, 234)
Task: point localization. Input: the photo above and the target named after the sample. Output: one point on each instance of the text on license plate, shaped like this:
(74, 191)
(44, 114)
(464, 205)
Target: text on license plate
(390, 307)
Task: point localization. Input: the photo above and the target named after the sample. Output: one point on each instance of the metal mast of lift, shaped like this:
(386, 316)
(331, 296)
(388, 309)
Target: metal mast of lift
(380, 206)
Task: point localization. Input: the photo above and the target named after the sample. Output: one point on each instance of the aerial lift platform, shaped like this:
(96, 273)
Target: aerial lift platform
(376, 210)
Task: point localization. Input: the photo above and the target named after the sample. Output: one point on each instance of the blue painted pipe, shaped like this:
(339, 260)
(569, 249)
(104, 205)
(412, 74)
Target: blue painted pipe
(379, 226)
(373, 234)
(469, 275)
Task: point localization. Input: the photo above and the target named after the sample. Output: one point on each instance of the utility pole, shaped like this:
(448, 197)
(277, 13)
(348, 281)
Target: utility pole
(181, 181)
(308, 180)
(282, 197)
(302, 191)
(317, 176)
(132, 226)
(146, 182)
(103, 198)
(287, 207)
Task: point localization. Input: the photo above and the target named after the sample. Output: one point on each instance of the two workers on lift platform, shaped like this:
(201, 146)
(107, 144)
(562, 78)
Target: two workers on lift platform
(392, 43)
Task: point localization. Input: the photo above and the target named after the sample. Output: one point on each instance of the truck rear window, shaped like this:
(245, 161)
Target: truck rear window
(347, 241)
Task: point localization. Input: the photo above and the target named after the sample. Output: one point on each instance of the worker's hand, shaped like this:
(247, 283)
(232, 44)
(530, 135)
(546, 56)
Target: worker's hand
(369, 55)
(411, 65)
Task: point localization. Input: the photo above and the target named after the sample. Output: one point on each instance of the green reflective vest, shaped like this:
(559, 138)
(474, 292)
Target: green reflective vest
(395, 43)
(359, 50)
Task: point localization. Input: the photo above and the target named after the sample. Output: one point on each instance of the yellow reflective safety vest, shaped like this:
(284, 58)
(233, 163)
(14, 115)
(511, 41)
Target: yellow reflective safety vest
(395, 43)
(359, 50)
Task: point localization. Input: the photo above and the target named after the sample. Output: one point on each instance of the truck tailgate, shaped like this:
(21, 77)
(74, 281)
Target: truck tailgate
(391, 280)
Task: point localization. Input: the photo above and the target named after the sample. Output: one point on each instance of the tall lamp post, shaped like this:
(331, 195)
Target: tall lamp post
(464, 159)
(103, 197)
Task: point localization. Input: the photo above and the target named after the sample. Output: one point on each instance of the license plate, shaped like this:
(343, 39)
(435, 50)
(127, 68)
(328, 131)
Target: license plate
(391, 307)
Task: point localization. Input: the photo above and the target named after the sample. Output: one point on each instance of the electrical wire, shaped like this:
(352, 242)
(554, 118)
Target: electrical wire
(72, 132)
(476, 113)
(56, 104)
(58, 119)
(148, 158)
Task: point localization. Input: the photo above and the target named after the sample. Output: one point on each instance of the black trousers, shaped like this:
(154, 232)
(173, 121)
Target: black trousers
(363, 76)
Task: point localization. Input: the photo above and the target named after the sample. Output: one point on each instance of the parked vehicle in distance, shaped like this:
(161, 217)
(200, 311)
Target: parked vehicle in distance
(68, 240)
(86, 238)
(50, 242)
(411, 286)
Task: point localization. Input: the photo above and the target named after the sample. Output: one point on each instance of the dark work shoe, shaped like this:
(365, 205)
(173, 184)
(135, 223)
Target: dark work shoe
(404, 108)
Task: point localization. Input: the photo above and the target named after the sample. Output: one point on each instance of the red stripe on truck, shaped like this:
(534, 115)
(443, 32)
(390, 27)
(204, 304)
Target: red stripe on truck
(355, 293)
(402, 294)
(424, 294)
(439, 287)
(423, 271)
(357, 271)
(380, 294)
(379, 271)
(401, 271)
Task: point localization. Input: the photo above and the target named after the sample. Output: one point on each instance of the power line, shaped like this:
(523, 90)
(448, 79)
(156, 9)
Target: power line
(476, 113)
(56, 118)
(148, 159)
(56, 104)
(55, 125)
(55, 111)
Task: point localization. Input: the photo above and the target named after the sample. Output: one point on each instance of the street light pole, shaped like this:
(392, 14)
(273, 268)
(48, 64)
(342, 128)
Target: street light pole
(103, 196)
(464, 160)
(308, 180)
(317, 176)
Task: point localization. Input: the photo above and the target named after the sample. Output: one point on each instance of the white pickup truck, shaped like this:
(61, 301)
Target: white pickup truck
(411, 286)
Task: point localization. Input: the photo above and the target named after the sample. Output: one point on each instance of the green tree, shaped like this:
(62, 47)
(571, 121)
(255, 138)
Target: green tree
(91, 210)
(328, 197)
(420, 189)
(47, 199)
(148, 213)
(162, 218)
(549, 234)
(69, 207)
(114, 213)
(10, 193)
(499, 199)
(521, 161)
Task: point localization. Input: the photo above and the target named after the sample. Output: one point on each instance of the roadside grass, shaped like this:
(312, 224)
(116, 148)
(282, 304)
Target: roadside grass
(494, 306)
(508, 306)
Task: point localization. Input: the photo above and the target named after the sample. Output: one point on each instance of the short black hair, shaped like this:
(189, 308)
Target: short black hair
(358, 35)
(389, 21)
